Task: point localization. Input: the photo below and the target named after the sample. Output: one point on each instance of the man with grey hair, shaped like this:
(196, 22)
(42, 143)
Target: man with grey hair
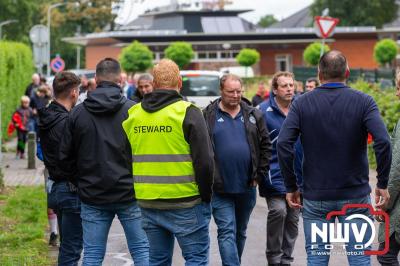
(31, 89)
(333, 122)
(144, 86)
(96, 152)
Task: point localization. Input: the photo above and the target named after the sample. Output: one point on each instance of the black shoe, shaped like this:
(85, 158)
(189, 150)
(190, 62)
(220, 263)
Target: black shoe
(53, 239)
(284, 264)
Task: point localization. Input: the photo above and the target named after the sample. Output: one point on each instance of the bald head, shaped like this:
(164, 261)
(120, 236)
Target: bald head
(166, 75)
(332, 67)
(36, 79)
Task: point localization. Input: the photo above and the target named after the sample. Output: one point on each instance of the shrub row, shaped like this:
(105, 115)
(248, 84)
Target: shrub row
(16, 68)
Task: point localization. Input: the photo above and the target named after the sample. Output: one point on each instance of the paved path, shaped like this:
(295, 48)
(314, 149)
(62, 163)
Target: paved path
(16, 173)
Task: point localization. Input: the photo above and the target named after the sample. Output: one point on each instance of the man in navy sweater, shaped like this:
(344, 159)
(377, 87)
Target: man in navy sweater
(333, 122)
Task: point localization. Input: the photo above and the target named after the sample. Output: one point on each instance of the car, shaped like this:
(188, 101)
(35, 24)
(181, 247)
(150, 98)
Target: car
(243, 72)
(87, 72)
(79, 72)
(200, 86)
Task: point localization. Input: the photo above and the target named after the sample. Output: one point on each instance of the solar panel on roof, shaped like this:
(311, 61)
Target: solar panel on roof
(222, 25)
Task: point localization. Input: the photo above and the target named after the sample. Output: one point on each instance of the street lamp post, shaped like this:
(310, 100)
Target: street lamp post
(48, 27)
(5, 23)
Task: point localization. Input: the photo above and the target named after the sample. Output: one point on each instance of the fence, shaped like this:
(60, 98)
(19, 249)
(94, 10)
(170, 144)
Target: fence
(383, 76)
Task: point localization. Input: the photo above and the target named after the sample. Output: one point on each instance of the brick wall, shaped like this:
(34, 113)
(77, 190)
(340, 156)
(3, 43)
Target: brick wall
(95, 53)
(268, 53)
(359, 53)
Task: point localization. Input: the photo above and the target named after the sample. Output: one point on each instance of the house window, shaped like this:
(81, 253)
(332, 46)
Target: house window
(212, 55)
(283, 62)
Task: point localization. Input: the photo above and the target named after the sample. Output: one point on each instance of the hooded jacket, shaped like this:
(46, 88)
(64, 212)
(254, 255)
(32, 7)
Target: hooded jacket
(257, 136)
(274, 119)
(51, 125)
(95, 149)
(195, 134)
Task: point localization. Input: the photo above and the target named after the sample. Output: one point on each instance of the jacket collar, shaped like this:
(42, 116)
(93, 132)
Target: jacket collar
(274, 105)
(333, 85)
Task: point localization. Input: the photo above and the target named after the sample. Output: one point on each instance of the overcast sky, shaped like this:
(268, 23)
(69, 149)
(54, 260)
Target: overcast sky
(279, 8)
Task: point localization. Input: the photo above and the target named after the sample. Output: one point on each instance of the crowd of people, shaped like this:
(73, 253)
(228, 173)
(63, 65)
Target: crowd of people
(164, 167)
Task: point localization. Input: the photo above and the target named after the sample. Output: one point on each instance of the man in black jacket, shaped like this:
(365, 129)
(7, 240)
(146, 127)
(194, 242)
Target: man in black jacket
(97, 150)
(242, 151)
(63, 197)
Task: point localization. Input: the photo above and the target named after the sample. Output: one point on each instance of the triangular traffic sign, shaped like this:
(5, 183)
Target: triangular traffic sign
(326, 25)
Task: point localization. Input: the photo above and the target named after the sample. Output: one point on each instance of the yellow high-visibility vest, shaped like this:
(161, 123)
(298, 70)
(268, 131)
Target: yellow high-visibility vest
(162, 162)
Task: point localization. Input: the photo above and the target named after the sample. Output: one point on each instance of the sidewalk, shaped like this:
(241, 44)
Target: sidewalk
(16, 172)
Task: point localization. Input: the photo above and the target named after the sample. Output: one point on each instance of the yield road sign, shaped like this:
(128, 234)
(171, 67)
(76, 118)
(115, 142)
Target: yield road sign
(57, 64)
(325, 26)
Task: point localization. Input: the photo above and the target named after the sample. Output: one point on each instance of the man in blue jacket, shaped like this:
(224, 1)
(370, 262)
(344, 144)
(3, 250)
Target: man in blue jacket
(282, 221)
(333, 122)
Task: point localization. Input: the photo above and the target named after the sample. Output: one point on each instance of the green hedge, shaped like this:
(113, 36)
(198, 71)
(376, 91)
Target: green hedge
(389, 107)
(16, 68)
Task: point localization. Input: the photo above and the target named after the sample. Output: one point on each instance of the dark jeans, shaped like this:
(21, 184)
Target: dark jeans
(390, 258)
(21, 141)
(67, 206)
(231, 214)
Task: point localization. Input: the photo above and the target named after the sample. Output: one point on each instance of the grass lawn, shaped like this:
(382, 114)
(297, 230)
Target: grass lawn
(23, 222)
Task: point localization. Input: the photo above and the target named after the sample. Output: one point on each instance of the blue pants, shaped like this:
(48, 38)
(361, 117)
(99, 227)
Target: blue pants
(96, 223)
(67, 206)
(189, 226)
(231, 214)
(317, 251)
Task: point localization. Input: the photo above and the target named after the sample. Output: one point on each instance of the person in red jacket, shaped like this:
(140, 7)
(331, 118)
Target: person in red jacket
(19, 121)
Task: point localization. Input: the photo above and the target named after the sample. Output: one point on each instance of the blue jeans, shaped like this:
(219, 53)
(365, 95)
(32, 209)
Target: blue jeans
(231, 214)
(67, 206)
(318, 252)
(189, 226)
(96, 223)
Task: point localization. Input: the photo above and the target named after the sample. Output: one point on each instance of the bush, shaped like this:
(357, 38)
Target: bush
(248, 57)
(312, 53)
(385, 51)
(16, 68)
(180, 52)
(136, 57)
(389, 107)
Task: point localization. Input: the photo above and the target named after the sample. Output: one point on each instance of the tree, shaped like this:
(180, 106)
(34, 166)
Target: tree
(248, 57)
(180, 52)
(26, 12)
(267, 21)
(136, 57)
(312, 53)
(358, 13)
(90, 16)
(385, 51)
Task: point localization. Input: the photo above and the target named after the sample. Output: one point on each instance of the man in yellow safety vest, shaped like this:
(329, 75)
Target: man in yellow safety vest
(172, 169)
